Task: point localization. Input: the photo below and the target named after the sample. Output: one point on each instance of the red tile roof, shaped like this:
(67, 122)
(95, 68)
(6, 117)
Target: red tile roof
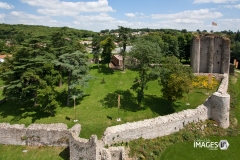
(3, 56)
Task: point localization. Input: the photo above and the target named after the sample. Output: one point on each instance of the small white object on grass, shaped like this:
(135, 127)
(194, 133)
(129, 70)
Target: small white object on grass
(75, 120)
(119, 119)
(25, 151)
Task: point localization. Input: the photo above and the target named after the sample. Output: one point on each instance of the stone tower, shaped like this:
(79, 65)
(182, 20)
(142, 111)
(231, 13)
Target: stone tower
(210, 54)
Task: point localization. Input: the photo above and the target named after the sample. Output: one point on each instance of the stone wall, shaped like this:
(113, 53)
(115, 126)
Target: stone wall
(50, 135)
(215, 107)
(155, 127)
(35, 134)
(210, 54)
(59, 135)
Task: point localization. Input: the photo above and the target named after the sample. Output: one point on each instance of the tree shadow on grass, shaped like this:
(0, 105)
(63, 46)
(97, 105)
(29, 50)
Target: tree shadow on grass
(103, 69)
(159, 105)
(128, 101)
(22, 111)
(62, 98)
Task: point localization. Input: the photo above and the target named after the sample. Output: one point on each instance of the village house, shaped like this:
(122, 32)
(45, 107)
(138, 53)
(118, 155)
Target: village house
(117, 60)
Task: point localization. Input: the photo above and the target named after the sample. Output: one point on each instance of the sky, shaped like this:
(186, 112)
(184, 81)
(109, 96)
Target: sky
(97, 15)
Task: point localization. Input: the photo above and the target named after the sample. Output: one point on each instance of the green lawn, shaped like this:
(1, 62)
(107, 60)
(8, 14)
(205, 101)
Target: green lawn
(98, 109)
(186, 150)
(9, 152)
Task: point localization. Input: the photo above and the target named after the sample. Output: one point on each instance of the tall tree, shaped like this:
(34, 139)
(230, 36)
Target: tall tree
(235, 54)
(23, 76)
(61, 44)
(175, 79)
(237, 37)
(77, 67)
(181, 45)
(96, 48)
(124, 35)
(108, 46)
(47, 96)
(171, 45)
(188, 39)
(145, 55)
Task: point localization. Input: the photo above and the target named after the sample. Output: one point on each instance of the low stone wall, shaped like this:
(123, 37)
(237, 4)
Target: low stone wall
(215, 107)
(215, 75)
(155, 127)
(59, 135)
(35, 134)
(50, 135)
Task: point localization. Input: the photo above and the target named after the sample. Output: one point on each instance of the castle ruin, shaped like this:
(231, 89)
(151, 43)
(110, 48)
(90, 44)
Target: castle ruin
(210, 54)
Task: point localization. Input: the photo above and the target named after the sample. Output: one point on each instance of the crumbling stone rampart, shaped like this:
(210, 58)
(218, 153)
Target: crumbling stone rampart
(155, 127)
(59, 135)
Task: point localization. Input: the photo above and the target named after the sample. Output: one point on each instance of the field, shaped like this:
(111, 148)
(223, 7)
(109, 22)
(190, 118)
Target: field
(98, 109)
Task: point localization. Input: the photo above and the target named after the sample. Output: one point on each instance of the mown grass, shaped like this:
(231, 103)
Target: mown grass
(98, 109)
(10, 152)
(180, 145)
(185, 150)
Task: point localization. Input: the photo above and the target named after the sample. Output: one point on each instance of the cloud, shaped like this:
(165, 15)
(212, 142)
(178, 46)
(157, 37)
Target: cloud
(190, 14)
(230, 21)
(215, 1)
(135, 15)
(233, 6)
(102, 17)
(130, 14)
(63, 8)
(2, 16)
(6, 6)
(16, 17)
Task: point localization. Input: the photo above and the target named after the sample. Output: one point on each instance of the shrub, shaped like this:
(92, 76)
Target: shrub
(206, 82)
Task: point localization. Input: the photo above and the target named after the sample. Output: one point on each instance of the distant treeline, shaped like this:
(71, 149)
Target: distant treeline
(19, 33)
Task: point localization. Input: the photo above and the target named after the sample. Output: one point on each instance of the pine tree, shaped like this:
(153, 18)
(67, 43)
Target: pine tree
(75, 64)
(124, 34)
(237, 37)
(108, 46)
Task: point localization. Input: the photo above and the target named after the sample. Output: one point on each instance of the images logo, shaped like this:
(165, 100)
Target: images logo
(206, 143)
(223, 144)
